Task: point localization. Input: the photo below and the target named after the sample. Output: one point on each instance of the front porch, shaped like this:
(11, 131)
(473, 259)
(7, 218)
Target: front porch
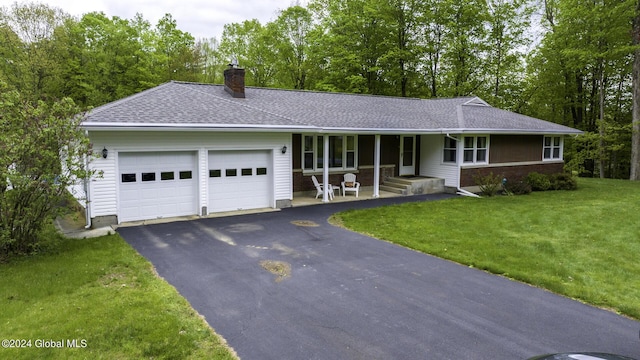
(391, 187)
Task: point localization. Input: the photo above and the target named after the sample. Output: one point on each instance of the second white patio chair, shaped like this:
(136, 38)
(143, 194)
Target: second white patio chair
(350, 184)
(319, 188)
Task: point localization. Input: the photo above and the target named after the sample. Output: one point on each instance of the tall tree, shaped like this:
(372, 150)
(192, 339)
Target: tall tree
(31, 68)
(465, 48)
(508, 23)
(290, 35)
(248, 44)
(175, 50)
(635, 146)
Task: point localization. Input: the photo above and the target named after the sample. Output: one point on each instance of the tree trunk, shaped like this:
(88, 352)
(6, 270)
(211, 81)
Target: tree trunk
(635, 136)
(601, 125)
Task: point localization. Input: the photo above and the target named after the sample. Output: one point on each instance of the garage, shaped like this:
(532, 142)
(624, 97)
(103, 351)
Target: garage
(156, 185)
(239, 180)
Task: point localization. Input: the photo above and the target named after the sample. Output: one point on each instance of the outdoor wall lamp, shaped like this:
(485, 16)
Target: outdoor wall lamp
(284, 149)
(105, 152)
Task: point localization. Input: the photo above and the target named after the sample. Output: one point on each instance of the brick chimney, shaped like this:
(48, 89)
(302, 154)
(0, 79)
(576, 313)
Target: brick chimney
(234, 81)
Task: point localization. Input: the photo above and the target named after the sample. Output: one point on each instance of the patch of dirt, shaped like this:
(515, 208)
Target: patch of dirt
(306, 223)
(281, 269)
(336, 221)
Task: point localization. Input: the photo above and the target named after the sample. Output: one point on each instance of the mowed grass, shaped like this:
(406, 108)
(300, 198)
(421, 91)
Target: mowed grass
(100, 291)
(584, 244)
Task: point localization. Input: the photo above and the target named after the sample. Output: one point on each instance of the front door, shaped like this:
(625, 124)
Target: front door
(407, 155)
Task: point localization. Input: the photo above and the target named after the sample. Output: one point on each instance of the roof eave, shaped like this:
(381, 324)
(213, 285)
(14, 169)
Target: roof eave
(313, 129)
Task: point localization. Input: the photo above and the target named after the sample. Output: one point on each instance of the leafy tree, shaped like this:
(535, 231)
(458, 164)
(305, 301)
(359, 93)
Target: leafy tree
(248, 44)
(353, 41)
(290, 37)
(582, 73)
(175, 53)
(211, 63)
(635, 146)
(42, 151)
(26, 31)
(508, 24)
(465, 48)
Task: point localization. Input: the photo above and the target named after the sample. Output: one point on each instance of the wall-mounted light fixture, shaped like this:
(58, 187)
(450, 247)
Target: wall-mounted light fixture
(105, 152)
(284, 149)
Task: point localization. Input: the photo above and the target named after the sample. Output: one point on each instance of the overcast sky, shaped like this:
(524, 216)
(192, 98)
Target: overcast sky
(201, 18)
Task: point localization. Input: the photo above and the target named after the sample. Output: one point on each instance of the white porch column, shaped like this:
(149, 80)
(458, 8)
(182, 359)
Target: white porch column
(376, 167)
(325, 168)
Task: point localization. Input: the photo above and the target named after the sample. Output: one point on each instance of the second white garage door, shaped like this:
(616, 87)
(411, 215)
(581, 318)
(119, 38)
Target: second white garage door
(239, 180)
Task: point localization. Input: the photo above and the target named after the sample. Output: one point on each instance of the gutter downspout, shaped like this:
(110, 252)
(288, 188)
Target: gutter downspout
(87, 191)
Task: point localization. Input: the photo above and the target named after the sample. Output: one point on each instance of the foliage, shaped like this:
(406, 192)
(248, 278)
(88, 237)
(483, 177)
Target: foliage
(586, 253)
(489, 184)
(519, 187)
(577, 74)
(538, 182)
(101, 291)
(42, 152)
(563, 181)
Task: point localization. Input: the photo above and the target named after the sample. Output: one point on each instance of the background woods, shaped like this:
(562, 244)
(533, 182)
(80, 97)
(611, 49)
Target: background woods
(566, 61)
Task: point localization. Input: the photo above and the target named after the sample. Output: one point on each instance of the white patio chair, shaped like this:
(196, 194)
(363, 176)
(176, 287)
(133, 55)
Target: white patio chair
(319, 188)
(350, 184)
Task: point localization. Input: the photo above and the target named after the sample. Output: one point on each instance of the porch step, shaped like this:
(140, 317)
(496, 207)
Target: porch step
(413, 185)
(393, 189)
(396, 185)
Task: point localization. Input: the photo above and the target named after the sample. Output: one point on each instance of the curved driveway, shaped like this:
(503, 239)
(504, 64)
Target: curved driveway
(349, 296)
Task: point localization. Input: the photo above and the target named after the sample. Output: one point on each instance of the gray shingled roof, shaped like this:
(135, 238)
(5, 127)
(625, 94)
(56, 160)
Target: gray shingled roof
(192, 105)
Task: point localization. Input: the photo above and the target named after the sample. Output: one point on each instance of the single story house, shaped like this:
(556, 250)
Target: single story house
(193, 149)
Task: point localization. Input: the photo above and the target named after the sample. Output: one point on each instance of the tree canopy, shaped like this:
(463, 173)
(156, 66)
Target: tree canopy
(566, 61)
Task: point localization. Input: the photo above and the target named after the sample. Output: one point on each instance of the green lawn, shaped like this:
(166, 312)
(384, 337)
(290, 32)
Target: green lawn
(584, 244)
(104, 295)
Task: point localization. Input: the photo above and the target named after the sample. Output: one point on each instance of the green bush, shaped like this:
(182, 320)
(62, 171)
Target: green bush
(489, 184)
(518, 187)
(563, 181)
(538, 182)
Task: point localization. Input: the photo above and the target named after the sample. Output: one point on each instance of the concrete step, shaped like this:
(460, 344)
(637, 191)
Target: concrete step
(395, 185)
(392, 189)
(398, 180)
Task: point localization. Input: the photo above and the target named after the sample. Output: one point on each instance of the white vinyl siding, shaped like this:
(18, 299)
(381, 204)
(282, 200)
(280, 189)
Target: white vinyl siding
(104, 188)
(431, 160)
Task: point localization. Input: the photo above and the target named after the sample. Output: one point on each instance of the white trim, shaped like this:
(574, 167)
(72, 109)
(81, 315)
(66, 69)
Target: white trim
(475, 149)
(552, 147)
(316, 155)
(524, 163)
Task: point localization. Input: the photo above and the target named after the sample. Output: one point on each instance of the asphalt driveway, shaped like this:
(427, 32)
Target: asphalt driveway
(287, 285)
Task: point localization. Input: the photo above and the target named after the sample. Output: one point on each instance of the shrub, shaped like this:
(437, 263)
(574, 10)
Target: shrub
(538, 182)
(518, 187)
(563, 181)
(42, 152)
(489, 184)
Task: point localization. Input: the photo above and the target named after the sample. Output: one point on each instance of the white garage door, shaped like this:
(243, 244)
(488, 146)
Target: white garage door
(156, 185)
(239, 180)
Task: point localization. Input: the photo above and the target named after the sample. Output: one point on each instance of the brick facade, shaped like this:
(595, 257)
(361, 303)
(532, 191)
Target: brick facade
(511, 172)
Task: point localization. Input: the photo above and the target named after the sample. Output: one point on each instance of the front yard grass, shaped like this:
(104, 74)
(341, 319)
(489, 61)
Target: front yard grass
(102, 294)
(583, 244)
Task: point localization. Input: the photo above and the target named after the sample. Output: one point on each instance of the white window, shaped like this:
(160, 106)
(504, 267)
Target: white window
(342, 152)
(475, 149)
(552, 148)
(450, 147)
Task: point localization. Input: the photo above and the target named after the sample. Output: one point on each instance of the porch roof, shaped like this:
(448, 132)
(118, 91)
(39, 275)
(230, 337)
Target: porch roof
(183, 106)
